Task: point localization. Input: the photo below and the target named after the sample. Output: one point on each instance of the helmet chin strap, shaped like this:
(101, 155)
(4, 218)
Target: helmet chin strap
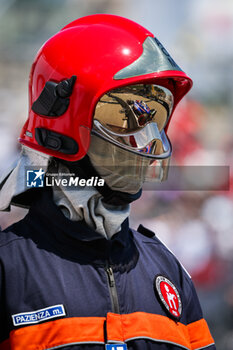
(85, 169)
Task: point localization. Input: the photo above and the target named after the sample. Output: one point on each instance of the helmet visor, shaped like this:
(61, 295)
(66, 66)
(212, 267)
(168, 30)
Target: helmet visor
(123, 170)
(134, 118)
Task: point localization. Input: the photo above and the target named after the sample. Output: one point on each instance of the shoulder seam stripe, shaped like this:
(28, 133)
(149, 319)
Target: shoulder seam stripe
(158, 340)
(204, 347)
(75, 343)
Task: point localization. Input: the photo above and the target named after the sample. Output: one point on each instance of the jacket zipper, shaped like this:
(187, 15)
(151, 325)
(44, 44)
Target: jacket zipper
(112, 290)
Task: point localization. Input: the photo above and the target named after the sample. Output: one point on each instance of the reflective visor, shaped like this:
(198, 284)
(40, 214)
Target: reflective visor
(134, 118)
(123, 170)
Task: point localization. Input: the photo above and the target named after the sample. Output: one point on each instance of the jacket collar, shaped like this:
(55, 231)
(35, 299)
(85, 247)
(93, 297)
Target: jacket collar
(74, 239)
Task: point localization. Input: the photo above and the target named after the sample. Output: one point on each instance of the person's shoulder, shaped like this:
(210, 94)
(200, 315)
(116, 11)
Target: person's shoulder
(149, 242)
(11, 234)
(145, 235)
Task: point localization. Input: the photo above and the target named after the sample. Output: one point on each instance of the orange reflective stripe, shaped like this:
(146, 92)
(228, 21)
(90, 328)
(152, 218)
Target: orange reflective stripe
(120, 328)
(158, 328)
(145, 325)
(114, 327)
(60, 332)
(199, 333)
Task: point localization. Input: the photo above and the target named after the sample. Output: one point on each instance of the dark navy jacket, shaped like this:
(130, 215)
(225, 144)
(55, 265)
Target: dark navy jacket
(65, 287)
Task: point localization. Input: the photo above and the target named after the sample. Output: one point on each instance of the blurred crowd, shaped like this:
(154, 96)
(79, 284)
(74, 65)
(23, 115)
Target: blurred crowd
(196, 225)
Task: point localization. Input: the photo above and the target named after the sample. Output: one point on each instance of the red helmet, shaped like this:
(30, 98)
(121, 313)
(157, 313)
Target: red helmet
(77, 66)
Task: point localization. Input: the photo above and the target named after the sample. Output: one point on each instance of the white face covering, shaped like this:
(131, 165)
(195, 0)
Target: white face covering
(86, 204)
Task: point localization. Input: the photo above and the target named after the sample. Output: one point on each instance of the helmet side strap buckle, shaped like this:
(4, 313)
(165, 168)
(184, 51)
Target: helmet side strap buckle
(54, 98)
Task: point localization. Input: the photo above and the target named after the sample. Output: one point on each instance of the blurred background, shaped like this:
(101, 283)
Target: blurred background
(196, 225)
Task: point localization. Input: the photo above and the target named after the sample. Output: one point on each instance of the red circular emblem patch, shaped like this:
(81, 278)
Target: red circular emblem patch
(169, 296)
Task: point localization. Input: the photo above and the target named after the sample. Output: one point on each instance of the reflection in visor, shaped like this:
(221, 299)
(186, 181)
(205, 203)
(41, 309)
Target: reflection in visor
(141, 111)
(134, 118)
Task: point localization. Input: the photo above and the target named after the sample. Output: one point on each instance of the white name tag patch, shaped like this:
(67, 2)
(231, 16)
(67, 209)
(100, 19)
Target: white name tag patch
(38, 315)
